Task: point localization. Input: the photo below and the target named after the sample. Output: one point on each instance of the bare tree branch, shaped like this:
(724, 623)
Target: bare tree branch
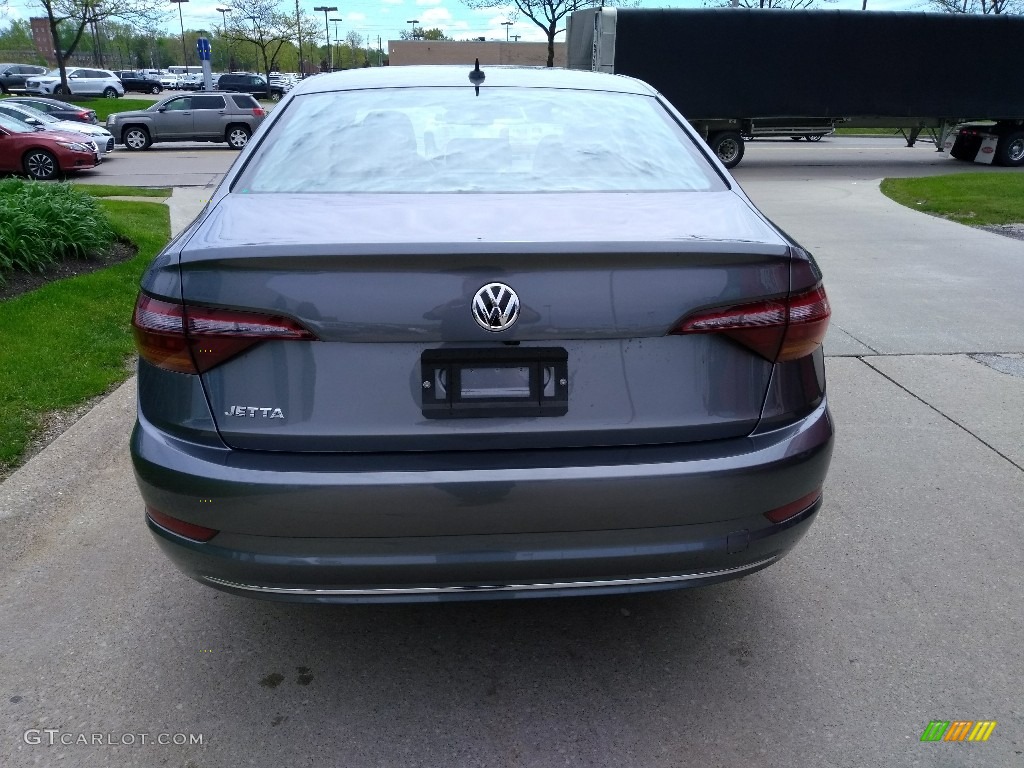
(767, 4)
(546, 14)
(986, 7)
(78, 14)
(261, 23)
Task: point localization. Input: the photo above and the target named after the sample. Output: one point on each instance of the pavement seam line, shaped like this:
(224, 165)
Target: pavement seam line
(926, 354)
(862, 343)
(951, 420)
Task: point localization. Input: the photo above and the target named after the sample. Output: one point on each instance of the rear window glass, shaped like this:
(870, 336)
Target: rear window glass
(453, 140)
(244, 101)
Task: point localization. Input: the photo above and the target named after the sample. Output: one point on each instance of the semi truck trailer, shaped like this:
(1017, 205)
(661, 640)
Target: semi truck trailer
(738, 73)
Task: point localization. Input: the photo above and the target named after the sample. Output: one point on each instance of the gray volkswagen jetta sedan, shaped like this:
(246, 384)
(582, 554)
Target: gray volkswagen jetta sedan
(447, 333)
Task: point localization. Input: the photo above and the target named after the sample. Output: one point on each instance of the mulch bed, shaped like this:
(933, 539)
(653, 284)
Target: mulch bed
(18, 282)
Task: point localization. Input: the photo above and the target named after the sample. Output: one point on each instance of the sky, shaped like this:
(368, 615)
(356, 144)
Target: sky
(387, 18)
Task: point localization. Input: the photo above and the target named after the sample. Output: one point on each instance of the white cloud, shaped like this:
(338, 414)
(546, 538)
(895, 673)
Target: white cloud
(435, 17)
(353, 17)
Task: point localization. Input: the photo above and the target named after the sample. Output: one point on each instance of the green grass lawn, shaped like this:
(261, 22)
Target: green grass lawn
(69, 341)
(106, 190)
(969, 198)
(105, 107)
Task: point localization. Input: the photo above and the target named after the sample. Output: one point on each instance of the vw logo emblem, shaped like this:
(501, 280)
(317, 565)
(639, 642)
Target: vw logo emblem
(495, 307)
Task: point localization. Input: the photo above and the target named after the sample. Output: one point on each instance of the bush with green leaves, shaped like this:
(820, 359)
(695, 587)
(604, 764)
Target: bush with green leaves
(43, 223)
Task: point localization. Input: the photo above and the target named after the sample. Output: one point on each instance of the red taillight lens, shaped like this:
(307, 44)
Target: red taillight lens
(180, 527)
(781, 514)
(259, 112)
(190, 339)
(778, 330)
(808, 321)
(159, 328)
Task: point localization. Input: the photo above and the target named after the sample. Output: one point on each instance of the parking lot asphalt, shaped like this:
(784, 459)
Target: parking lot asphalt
(902, 605)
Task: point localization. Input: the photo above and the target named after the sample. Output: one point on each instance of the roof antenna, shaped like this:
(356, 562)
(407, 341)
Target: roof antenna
(476, 77)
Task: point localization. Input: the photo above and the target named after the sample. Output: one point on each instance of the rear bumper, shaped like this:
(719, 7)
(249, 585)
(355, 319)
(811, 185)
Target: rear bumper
(624, 520)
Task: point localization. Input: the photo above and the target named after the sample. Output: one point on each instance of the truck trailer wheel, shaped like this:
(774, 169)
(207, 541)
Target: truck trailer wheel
(1010, 150)
(728, 145)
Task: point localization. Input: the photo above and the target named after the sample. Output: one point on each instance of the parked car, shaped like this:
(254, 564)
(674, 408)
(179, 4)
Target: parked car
(36, 119)
(192, 82)
(59, 109)
(230, 117)
(13, 76)
(254, 85)
(82, 81)
(171, 81)
(447, 337)
(285, 82)
(43, 155)
(139, 82)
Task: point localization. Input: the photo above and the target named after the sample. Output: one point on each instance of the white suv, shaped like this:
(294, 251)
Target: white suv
(82, 81)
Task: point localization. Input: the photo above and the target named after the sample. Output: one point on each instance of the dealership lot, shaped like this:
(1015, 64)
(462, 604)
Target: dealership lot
(901, 606)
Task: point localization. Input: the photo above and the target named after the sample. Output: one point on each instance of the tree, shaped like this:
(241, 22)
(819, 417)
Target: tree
(546, 14)
(978, 6)
(419, 33)
(17, 39)
(434, 34)
(261, 24)
(790, 4)
(77, 15)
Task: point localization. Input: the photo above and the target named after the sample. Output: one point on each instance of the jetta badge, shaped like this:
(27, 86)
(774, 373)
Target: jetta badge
(495, 307)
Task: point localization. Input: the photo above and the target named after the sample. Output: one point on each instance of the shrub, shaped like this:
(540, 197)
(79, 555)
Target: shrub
(43, 223)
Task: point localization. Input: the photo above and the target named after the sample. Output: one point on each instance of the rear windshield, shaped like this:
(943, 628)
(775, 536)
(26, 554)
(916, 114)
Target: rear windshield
(244, 101)
(453, 140)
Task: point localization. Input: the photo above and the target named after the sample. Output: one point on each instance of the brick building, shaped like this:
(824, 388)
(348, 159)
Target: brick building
(405, 52)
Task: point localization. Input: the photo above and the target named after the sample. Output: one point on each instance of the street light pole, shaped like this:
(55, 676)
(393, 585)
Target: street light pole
(298, 29)
(506, 25)
(414, 22)
(335, 19)
(224, 31)
(181, 20)
(330, 54)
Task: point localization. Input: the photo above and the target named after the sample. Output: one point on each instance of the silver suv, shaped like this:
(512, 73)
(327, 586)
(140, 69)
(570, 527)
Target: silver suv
(230, 117)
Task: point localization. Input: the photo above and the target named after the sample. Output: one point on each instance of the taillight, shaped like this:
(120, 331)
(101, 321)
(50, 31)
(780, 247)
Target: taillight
(84, 117)
(159, 329)
(259, 112)
(191, 339)
(180, 527)
(778, 329)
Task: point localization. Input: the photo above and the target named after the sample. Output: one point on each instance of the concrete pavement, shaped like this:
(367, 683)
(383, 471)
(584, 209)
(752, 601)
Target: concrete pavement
(901, 606)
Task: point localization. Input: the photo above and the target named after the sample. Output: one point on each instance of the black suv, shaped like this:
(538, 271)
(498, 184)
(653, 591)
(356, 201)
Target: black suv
(13, 76)
(138, 81)
(251, 84)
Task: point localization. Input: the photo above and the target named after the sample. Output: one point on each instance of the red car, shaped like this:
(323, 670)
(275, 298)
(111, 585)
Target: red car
(43, 155)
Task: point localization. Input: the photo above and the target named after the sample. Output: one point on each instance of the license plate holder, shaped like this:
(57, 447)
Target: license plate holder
(490, 383)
